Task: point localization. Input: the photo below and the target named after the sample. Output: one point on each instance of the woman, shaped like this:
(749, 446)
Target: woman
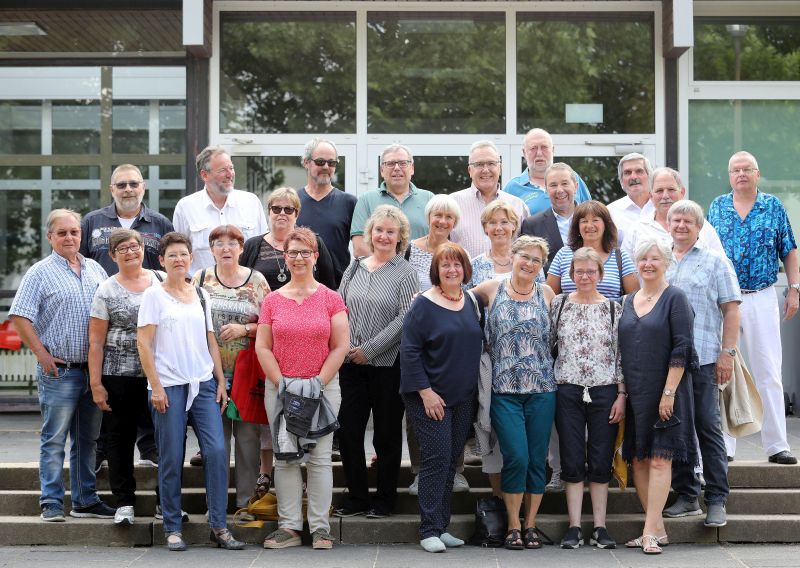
(236, 296)
(181, 361)
(303, 333)
(655, 339)
(378, 290)
(440, 353)
(592, 227)
(500, 223)
(119, 386)
(591, 393)
(523, 384)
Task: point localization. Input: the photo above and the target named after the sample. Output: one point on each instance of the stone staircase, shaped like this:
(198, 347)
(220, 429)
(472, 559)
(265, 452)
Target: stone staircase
(764, 506)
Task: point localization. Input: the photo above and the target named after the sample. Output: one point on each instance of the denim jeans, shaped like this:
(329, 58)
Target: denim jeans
(170, 427)
(67, 407)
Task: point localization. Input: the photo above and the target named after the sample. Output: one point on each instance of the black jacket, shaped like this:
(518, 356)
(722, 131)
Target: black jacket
(544, 225)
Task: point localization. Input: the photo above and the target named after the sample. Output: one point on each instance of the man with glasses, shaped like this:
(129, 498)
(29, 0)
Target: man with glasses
(326, 210)
(538, 150)
(484, 168)
(397, 167)
(218, 203)
(756, 235)
(127, 210)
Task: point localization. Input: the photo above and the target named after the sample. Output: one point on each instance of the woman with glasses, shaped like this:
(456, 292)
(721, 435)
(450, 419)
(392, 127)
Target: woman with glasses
(591, 393)
(119, 385)
(180, 358)
(236, 295)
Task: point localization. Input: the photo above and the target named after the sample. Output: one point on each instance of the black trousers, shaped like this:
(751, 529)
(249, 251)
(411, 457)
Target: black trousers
(366, 389)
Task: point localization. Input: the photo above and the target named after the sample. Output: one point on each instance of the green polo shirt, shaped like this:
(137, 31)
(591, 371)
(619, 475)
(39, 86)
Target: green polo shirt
(413, 206)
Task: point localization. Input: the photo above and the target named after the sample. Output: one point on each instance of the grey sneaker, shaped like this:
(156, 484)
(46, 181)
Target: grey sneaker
(413, 489)
(716, 515)
(460, 484)
(573, 538)
(124, 515)
(52, 513)
(555, 484)
(683, 508)
(97, 511)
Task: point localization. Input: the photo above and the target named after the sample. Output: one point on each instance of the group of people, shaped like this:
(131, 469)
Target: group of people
(533, 318)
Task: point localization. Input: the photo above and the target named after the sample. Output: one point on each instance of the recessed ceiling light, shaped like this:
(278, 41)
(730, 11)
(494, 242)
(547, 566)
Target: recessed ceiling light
(21, 29)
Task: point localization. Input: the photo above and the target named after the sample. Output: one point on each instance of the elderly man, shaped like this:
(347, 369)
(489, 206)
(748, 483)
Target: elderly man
(538, 150)
(326, 210)
(666, 188)
(127, 190)
(710, 283)
(51, 314)
(397, 167)
(634, 172)
(484, 169)
(756, 234)
(218, 203)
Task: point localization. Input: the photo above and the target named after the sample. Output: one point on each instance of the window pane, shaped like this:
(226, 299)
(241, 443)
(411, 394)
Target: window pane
(172, 127)
(599, 173)
(603, 64)
(167, 200)
(436, 72)
(20, 127)
(747, 50)
(76, 127)
(80, 200)
(262, 174)
(441, 174)
(767, 129)
(76, 172)
(131, 124)
(20, 234)
(288, 72)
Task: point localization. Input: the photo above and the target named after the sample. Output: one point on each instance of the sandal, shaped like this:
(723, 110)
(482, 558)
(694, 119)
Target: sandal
(650, 544)
(281, 538)
(663, 541)
(513, 540)
(533, 538)
(321, 540)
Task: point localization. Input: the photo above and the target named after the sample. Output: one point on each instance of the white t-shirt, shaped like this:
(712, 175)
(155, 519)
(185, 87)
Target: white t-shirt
(181, 345)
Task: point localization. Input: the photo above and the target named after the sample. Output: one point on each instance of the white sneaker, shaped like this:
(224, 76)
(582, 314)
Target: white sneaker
(124, 515)
(555, 483)
(460, 484)
(413, 489)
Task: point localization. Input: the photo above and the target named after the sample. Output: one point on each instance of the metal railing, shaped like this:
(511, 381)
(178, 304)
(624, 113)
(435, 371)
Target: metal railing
(18, 370)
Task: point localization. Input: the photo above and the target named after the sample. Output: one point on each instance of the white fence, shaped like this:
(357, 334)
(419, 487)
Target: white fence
(17, 369)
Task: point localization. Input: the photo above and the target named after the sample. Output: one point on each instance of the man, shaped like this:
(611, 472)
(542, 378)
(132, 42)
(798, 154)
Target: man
(553, 223)
(397, 167)
(196, 215)
(127, 210)
(325, 209)
(634, 172)
(666, 188)
(51, 314)
(756, 234)
(538, 150)
(710, 283)
(484, 168)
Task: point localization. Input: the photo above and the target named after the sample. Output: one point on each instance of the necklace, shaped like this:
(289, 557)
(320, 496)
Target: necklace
(281, 277)
(451, 298)
(654, 294)
(225, 285)
(497, 262)
(511, 282)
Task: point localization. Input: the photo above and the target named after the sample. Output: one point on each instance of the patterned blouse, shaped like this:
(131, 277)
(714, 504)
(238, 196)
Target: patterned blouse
(519, 343)
(588, 354)
(483, 270)
(420, 261)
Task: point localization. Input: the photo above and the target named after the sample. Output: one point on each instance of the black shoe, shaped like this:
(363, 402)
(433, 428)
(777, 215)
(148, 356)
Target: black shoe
(378, 513)
(97, 511)
(601, 538)
(730, 459)
(160, 516)
(196, 460)
(784, 458)
(573, 538)
(348, 511)
(149, 459)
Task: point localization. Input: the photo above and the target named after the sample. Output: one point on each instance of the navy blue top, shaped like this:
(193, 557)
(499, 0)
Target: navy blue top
(441, 349)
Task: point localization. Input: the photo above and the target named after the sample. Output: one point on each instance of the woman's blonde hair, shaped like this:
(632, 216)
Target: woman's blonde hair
(393, 214)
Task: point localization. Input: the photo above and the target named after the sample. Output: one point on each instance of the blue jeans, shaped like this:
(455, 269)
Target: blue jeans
(170, 428)
(67, 407)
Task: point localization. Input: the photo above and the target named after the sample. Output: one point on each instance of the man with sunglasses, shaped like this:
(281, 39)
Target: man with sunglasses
(126, 210)
(326, 210)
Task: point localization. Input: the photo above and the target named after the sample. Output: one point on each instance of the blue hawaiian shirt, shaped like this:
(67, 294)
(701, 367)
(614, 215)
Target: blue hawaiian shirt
(756, 245)
(535, 197)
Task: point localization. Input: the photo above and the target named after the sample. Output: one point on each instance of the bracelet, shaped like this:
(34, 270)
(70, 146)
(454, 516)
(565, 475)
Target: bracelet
(623, 393)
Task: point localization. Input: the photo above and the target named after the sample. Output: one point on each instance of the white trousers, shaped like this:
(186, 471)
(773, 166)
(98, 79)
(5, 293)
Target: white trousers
(760, 342)
(289, 480)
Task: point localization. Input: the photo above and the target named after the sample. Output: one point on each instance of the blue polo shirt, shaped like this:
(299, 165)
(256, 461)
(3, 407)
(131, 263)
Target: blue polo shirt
(535, 196)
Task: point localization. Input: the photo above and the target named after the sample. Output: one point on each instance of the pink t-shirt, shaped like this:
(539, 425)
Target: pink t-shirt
(301, 334)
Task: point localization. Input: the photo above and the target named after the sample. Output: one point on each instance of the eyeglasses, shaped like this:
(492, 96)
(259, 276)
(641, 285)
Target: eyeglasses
(122, 184)
(223, 244)
(746, 171)
(589, 273)
(135, 247)
(503, 223)
(535, 149)
(303, 253)
(277, 209)
(531, 259)
(402, 164)
(492, 164)
(321, 162)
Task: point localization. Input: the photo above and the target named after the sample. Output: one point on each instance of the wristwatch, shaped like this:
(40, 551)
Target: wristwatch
(669, 392)
(732, 351)
(795, 287)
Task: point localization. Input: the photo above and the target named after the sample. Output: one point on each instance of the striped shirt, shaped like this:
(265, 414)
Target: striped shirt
(58, 302)
(377, 302)
(609, 286)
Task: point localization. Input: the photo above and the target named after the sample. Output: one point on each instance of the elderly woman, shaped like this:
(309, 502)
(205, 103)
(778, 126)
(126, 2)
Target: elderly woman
(119, 386)
(303, 334)
(591, 393)
(378, 290)
(500, 223)
(523, 383)
(440, 352)
(592, 227)
(181, 359)
(655, 339)
(236, 295)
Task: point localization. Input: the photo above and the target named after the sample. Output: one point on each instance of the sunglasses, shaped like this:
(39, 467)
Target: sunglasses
(277, 209)
(321, 162)
(122, 184)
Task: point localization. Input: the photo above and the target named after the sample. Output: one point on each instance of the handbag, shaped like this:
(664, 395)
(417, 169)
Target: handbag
(247, 391)
(491, 522)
